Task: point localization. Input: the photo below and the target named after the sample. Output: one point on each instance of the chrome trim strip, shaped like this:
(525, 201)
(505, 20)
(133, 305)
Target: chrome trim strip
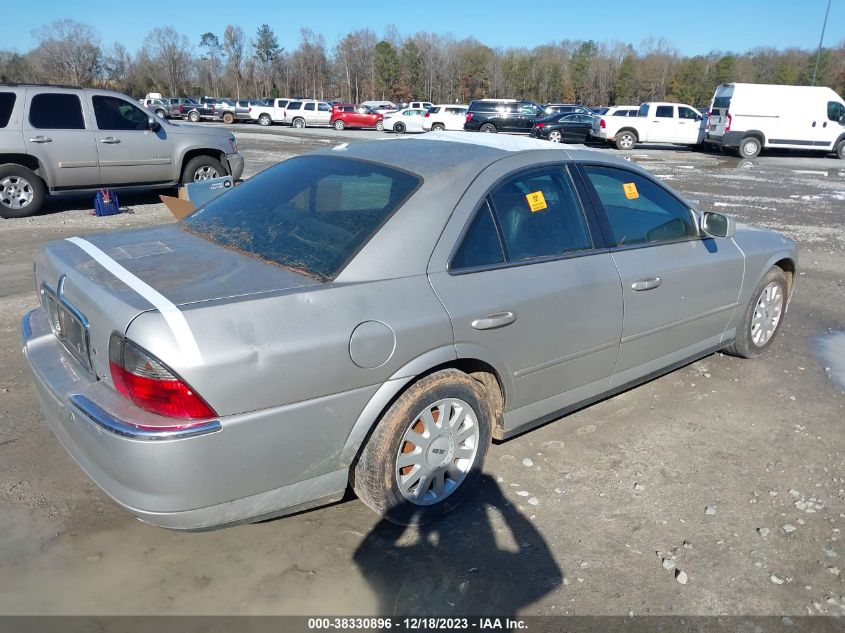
(26, 328)
(71, 164)
(106, 420)
(669, 326)
(565, 359)
(58, 296)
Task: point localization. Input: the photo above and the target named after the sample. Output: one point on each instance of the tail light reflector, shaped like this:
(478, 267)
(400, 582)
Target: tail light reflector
(153, 386)
(427, 114)
(469, 117)
(602, 124)
(728, 124)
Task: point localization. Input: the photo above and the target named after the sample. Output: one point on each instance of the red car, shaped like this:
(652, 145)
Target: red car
(348, 115)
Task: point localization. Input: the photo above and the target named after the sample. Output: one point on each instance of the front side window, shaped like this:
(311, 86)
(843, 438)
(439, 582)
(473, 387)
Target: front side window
(687, 113)
(540, 216)
(56, 111)
(310, 214)
(638, 210)
(664, 112)
(113, 113)
(835, 111)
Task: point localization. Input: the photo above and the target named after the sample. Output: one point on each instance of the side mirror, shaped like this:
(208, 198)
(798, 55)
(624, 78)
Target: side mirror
(698, 117)
(153, 124)
(717, 224)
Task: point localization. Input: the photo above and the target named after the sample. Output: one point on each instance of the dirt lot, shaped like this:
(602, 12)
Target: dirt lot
(728, 474)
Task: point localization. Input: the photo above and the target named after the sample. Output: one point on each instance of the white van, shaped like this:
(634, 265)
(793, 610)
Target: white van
(751, 117)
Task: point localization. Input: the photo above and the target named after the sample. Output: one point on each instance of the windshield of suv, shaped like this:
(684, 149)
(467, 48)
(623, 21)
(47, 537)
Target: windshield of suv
(310, 213)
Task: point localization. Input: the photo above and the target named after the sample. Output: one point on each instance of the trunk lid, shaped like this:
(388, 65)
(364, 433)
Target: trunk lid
(717, 122)
(105, 281)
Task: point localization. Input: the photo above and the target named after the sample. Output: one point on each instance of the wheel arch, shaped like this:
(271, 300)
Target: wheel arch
(28, 161)
(202, 151)
(433, 361)
(755, 134)
(627, 128)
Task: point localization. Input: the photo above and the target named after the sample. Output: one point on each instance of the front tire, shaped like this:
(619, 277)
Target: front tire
(749, 147)
(763, 316)
(380, 126)
(22, 191)
(399, 128)
(228, 118)
(201, 168)
(840, 150)
(193, 117)
(427, 451)
(625, 140)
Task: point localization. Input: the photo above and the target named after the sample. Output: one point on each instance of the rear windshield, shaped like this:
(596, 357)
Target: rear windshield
(721, 103)
(310, 213)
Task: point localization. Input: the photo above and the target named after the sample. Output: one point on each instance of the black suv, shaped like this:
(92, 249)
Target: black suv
(502, 115)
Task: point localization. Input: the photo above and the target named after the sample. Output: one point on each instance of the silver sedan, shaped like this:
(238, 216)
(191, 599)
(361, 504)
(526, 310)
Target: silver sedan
(375, 314)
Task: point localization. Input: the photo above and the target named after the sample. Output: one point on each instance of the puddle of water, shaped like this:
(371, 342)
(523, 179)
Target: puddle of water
(832, 349)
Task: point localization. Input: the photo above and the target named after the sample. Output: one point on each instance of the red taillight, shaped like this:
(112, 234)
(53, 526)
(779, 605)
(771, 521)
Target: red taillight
(427, 114)
(539, 125)
(728, 124)
(469, 117)
(602, 124)
(151, 385)
(181, 109)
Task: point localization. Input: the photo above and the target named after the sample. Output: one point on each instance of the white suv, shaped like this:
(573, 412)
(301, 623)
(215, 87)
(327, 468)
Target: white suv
(303, 112)
(445, 117)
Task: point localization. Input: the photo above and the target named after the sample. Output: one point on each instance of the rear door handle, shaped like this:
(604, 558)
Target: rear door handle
(110, 140)
(493, 321)
(41, 139)
(647, 284)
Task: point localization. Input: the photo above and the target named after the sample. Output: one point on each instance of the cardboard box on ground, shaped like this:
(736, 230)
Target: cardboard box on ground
(194, 195)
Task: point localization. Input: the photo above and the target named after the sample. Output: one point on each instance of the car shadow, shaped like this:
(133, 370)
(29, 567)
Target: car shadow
(484, 558)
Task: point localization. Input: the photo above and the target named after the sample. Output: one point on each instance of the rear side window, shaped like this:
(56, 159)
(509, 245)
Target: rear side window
(435, 109)
(310, 213)
(294, 105)
(7, 104)
(540, 216)
(481, 245)
(664, 112)
(56, 111)
(309, 107)
(638, 210)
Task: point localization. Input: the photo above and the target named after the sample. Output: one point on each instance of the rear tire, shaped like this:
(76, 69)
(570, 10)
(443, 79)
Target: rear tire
(763, 316)
(749, 147)
(625, 140)
(161, 113)
(555, 136)
(202, 168)
(298, 123)
(448, 413)
(488, 128)
(380, 126)
(438, 127)
(22, 192)
(193, 117)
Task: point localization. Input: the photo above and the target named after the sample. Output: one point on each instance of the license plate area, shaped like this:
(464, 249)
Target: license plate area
(69, 325)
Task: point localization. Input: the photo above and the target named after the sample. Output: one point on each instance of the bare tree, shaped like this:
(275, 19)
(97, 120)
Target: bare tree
(234, 43)
(69, 53)
(170, 51)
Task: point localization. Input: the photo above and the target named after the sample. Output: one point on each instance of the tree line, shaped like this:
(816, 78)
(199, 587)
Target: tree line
(431, 66)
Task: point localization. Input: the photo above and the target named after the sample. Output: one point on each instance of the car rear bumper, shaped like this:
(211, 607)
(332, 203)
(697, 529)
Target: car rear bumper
(236, 165)
(728, 139)
(238, 468)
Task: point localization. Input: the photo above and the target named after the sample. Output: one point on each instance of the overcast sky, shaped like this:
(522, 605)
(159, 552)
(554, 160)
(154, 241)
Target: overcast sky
(691, 26)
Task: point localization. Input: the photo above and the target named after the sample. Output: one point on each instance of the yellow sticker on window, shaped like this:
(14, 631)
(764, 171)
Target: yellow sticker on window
(536, 201)
(631, 191)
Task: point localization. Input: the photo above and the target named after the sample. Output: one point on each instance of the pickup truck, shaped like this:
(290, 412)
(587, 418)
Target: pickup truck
(656, 122)
(268, 115)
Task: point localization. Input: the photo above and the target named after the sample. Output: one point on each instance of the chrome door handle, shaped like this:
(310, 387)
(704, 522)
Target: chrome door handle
(647, 284)
(493, 321)
(41, 139)
(110, 140)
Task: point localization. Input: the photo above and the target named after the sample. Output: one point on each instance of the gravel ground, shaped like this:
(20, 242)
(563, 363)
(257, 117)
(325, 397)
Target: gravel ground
(716, 489)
